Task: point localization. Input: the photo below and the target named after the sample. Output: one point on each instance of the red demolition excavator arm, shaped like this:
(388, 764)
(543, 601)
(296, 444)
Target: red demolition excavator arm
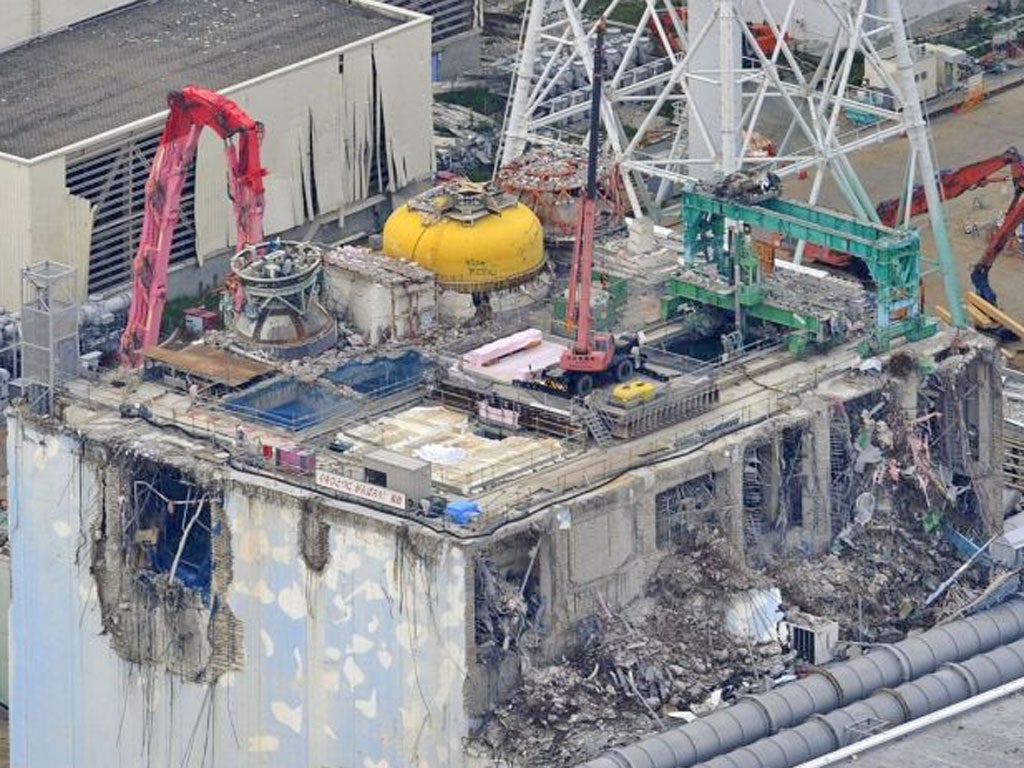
(997, 242)
(952, 184)
(191, 109)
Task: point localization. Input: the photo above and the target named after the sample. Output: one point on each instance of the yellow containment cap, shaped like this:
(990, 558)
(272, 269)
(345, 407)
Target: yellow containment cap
(473, 237)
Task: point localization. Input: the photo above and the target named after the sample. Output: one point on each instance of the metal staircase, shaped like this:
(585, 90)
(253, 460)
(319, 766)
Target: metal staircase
(595, 424)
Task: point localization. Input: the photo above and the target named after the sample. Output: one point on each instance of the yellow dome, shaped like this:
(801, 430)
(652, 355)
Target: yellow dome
(469, 247)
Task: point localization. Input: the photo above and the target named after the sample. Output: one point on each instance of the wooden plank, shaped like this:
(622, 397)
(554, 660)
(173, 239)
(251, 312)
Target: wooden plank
(980, 319)
(995, 313)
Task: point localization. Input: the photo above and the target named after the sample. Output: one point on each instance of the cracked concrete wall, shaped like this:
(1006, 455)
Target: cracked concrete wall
(323, 121)
(362, 663)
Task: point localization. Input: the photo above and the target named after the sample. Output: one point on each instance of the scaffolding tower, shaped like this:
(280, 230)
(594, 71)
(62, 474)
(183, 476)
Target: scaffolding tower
(49, 332)
(738, 83)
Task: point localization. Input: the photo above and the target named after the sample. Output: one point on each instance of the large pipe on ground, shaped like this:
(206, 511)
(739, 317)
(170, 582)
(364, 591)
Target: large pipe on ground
(754, 717)
(820, 735)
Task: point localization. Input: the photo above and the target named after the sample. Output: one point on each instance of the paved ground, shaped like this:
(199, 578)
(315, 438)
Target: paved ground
(989, 737)
(958, 139)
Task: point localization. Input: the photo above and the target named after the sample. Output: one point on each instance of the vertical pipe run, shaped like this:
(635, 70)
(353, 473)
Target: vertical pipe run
(918, 135)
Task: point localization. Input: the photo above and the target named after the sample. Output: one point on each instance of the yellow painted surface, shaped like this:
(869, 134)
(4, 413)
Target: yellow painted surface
(496, 250)
(636, 391)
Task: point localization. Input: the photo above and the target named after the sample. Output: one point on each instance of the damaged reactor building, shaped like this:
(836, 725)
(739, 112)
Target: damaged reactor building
(360, 465)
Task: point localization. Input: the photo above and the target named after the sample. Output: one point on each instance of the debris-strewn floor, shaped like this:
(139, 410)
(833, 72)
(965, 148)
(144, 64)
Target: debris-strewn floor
(669, 655)
(632, 673)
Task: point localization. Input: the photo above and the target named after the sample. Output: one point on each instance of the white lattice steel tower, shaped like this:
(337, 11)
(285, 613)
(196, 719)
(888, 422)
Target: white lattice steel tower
(706, 67)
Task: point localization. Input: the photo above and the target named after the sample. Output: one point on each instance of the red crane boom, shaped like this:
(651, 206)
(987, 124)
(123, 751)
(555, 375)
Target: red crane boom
(591, 354)
(191, 109)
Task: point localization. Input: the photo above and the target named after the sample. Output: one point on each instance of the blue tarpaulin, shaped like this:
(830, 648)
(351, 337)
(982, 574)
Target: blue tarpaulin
(382, 375)
(462, 512)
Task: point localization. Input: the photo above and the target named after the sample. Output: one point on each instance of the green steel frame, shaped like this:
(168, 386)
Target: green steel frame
(892, 256)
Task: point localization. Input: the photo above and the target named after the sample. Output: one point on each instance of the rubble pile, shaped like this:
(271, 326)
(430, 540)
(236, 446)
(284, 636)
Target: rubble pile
(896, 550)
(663, 659)
(876, 580)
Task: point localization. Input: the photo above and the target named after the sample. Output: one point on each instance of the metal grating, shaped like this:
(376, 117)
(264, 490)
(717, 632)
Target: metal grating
(448, 17)
(682, 510)
(113, 178)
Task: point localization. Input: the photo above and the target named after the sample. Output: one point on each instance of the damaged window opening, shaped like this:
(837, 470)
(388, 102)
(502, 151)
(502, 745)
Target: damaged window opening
(376, 477)
(755, 499)
(506, 600)
(682, 510)
(791, 492)
(170, 528)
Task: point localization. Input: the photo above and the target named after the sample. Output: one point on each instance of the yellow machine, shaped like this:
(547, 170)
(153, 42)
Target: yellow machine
(474, 237)
(634, 392)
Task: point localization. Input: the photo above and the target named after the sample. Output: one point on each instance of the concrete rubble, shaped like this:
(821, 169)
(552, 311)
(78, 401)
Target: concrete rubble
(464, 139)
(905, 529)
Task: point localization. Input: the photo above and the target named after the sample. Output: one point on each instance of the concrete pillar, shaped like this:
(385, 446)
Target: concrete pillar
(772, 474)
(988, 472)
(816, 466)
(732, 508)
(908, 394)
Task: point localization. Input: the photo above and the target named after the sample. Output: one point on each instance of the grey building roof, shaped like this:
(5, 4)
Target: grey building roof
(117, 68)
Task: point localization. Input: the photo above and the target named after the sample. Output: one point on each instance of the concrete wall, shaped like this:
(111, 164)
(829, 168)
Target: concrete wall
(360, 664)
(456, 57)
(21, 20)
(39, 220)
(381, 312)
(319, 122)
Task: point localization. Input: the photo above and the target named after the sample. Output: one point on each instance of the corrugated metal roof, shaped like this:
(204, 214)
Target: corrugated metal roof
(210, 363)
(112, 70)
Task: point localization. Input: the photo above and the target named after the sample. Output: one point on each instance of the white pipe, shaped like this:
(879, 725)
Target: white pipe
(1007, 689)
(515, 130)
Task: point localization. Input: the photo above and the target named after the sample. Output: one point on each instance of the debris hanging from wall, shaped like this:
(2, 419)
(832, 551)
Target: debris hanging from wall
(161, 558)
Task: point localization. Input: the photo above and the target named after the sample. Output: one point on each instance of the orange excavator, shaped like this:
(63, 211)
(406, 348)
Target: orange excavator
(191, 109)
(952, 184)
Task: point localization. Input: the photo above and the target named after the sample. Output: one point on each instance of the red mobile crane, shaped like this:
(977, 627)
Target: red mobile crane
(952, 183)
(191, 109)
(592, 354)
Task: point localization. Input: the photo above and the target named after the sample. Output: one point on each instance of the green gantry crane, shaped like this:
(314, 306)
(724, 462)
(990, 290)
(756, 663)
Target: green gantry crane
(892, 257)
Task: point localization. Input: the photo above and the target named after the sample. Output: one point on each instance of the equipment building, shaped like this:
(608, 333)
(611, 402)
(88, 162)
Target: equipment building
(343, 90)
